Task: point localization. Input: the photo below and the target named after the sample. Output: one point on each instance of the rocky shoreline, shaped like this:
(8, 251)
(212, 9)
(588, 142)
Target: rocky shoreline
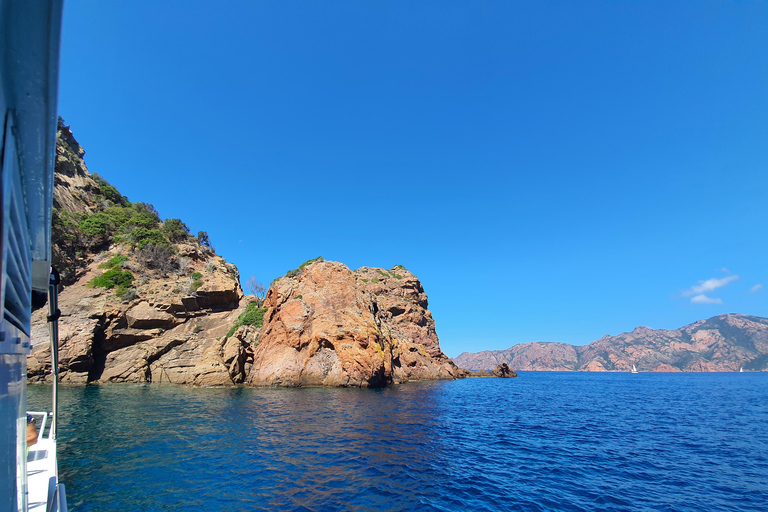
(145, 301)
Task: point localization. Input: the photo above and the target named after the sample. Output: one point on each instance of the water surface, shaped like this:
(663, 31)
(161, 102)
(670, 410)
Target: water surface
(543, 441)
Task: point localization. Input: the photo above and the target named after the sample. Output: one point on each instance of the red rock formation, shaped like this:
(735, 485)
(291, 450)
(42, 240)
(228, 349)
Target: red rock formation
(329, 326)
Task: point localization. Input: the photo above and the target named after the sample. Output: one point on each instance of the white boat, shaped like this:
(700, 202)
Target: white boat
(634, 369)
(741, 370)
(29, 64)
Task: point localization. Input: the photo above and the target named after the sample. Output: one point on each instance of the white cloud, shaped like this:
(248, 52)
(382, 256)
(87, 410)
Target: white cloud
(756, 288)
(703, 299)
(708, 286)
(725, 269)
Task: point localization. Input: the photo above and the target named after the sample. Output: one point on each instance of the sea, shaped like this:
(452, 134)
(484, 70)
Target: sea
(541, 441)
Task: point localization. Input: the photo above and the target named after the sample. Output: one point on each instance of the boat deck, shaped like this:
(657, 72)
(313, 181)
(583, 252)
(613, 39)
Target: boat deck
(42, 477)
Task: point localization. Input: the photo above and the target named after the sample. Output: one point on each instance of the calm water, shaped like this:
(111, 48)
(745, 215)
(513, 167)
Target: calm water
(543, 441)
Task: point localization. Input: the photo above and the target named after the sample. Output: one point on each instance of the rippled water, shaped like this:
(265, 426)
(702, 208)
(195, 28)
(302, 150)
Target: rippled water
(543, 441)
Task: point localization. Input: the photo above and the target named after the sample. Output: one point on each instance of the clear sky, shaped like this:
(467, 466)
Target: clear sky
(551, 171)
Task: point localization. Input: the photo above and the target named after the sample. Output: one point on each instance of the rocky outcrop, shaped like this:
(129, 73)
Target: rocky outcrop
(723, 343)
(144, 301)
(162, 335)
(503, 371)
(168, 323)
(329, 326)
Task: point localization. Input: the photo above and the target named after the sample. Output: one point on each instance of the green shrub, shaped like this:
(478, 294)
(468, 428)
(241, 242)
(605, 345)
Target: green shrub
(118, 216)
(142, 236)
(108, 191)
(196, 275)
(196, 284)
(296, 272)
(114, 261)
(175, 230)
(382, 272)
(365, 280)
(375, 280)
(113, 278)
(396, 276)
(251, 316)
(299, 297)
(144, 219)
(94, 225)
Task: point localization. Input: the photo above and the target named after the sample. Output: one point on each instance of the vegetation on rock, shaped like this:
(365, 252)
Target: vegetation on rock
(297, 271)
(121, 279)
(251, 316)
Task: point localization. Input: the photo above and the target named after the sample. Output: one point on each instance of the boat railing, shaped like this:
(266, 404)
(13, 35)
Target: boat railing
(45, 493)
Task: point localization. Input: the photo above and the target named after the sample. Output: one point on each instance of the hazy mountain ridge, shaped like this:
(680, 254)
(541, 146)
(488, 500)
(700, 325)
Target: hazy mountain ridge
(722, 343)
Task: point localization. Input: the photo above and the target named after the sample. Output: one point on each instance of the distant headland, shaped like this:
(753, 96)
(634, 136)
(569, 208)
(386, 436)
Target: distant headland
(723, 343)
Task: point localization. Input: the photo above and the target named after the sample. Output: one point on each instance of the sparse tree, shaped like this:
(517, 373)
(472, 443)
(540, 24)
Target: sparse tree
(202, 236)
(257, 289)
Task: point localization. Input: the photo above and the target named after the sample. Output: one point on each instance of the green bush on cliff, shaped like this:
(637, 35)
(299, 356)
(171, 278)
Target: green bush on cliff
(175, 230)
(94, 225)
(119, 216)
(113, 278)
(107, 191)
(297, 271)
(251, 316)
(142, 236)
(114, 261)
(143, 219)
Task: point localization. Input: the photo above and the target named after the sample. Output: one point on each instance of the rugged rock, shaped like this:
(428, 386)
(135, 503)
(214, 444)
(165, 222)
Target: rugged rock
(722, 343)
(171, 325)
(170, 313)
(503, 371)
(328, 326)
(153, 338)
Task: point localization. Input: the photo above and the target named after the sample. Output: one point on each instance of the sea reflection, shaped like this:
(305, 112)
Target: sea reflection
(543, 441)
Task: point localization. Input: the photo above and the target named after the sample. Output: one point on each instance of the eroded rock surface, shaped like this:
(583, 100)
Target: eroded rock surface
(329, 326)
(157, 337)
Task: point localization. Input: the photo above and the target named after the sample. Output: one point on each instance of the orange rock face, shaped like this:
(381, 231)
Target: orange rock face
(329, 326)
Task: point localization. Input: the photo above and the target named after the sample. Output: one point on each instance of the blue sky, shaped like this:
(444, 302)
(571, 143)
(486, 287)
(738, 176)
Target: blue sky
(551, 171)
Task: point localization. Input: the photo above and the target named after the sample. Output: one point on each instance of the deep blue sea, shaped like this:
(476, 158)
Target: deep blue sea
(542, 441)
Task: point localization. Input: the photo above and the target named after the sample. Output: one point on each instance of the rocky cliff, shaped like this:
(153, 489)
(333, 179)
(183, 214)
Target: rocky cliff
(145, 301)
(720, 344)
(329, 326)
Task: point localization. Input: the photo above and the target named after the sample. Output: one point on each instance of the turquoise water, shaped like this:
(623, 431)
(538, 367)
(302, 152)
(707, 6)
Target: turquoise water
(543, 441)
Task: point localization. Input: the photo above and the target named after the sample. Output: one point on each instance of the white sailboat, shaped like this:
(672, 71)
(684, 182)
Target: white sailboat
(741, 370)
(634, 369)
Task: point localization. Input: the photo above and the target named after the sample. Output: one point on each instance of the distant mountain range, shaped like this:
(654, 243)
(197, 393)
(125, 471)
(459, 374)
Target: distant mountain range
(722, 343)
